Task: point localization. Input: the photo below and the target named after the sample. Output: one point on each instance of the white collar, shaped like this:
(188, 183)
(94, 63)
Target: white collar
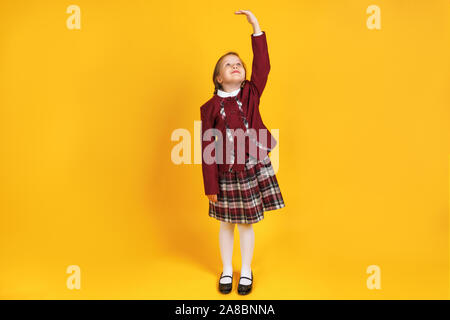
(225, 94)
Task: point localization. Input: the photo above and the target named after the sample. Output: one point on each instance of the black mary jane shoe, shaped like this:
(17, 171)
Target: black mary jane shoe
(245, 288)
(225, 287)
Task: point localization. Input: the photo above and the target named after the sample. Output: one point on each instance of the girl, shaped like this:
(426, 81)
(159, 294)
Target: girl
(242, 188)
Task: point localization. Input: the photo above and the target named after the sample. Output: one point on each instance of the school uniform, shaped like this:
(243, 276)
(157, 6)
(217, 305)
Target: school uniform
(237, 166)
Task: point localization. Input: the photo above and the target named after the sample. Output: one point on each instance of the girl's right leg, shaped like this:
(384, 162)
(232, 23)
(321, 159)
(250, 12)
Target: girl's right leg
(226, 240)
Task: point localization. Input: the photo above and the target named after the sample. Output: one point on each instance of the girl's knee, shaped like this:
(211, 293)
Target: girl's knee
(227, 224)
(244, 225)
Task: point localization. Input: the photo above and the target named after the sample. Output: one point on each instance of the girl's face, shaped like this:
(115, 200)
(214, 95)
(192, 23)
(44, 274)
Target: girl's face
(232, 71)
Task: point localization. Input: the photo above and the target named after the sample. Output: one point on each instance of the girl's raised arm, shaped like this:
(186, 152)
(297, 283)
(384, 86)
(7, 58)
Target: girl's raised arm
(261, 62)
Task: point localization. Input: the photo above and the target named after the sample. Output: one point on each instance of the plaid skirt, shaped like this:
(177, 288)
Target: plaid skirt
(245, 195)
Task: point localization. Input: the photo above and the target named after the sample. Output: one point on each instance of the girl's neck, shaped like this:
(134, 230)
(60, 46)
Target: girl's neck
(231, 87)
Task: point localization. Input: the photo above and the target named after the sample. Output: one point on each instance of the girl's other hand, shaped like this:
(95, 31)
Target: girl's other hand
(250, 16)
(212, 197)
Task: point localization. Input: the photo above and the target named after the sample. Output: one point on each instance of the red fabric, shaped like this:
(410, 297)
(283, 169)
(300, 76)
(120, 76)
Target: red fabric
(245, 195)
(249, 95)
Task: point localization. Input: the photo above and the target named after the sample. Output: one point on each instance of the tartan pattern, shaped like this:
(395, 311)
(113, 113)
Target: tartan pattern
(245, 195)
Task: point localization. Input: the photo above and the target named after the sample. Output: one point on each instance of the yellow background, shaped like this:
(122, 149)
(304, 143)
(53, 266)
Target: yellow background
(86, 174)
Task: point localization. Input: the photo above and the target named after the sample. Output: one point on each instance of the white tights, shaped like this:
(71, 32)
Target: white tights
(247, 241)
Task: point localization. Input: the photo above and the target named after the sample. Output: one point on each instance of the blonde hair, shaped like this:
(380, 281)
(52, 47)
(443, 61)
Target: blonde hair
(216, 72)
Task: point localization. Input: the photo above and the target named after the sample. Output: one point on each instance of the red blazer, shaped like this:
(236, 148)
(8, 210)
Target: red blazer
(249, 96)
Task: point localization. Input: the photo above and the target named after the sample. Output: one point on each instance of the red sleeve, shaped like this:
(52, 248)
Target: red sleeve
(210, 171)
(261, 63)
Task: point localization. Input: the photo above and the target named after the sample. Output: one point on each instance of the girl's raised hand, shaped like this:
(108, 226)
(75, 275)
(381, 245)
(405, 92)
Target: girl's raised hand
(212, 197)
(250, 16)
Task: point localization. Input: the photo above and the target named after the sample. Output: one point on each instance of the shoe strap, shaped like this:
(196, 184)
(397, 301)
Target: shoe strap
(246, 278)
(226, 276)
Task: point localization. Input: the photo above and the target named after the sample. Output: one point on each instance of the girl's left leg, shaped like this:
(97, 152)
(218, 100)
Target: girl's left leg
(247, 240)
